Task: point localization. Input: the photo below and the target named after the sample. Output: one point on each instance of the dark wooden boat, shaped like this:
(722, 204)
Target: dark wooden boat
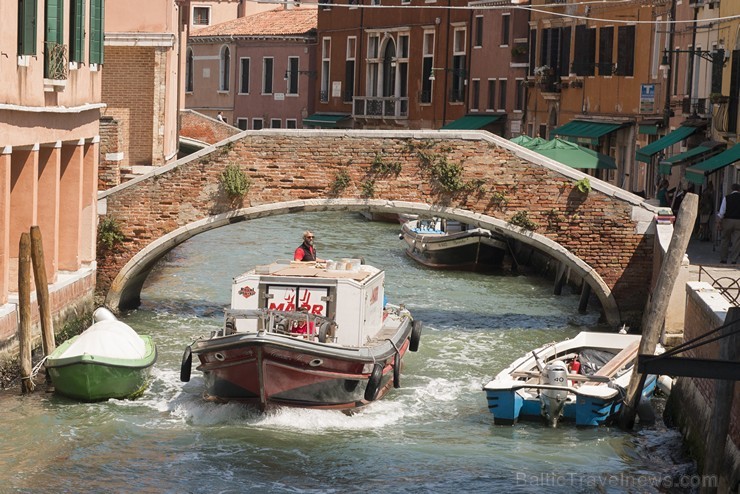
(299, 334)
(446, 244)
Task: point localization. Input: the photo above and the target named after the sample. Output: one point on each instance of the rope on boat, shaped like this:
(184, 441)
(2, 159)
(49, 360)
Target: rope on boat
(36, 368)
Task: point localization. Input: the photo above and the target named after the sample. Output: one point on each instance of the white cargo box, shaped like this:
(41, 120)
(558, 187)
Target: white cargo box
(354, 298)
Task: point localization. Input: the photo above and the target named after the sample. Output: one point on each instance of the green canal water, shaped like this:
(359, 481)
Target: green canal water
(434, 434)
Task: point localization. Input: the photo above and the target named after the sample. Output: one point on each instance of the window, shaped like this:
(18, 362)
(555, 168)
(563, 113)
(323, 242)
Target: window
(326, 4)
(189, 71)
(291, 123)
(325, 67)
(54, 50)
(491, 94)
(564, 61)
(502, 95)
(224, 69)
(293, 75)
(77, 31)
(373, 41)
(479, 31)
(349, 69)
(267, 75)
(584, 56)
(552, 50)
(244, 64)
(257, 123)
(27, 27)
(476, 95)
(403, 65)
(505, 18)
(241, 123)
(532, 51)
(606, 47)
(201, 16)
(275, 123)
(521, 91)
(426, 67)
(97, 17)
(626, 50)
(458, 65)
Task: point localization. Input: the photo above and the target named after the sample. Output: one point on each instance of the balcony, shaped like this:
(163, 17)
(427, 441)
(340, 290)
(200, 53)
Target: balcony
(378, 107)
(55, 61)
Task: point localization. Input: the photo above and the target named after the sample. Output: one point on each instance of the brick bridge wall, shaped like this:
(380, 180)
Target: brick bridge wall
(203, 128)
(598, 227)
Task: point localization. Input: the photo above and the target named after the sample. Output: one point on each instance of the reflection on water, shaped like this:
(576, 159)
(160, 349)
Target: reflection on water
(434, 434)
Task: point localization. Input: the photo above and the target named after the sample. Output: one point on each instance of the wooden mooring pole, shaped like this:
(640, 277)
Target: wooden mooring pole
(654, 316)
(24, 311)
(714, 456)
(42, 290)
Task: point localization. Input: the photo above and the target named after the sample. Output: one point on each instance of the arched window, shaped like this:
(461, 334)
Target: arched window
(189, 71)
(225, 69)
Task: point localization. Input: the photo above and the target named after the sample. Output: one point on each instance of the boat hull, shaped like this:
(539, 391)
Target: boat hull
(269, 370)
(472, 250)
(510, 406)
(93, 378)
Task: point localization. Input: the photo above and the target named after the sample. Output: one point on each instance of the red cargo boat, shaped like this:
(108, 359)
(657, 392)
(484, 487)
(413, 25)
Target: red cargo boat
(299, 334)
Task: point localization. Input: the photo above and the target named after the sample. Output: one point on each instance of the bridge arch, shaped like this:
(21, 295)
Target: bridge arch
(126, 287)
(605, 235)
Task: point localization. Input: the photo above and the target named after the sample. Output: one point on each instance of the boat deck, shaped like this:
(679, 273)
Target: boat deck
(311, 270)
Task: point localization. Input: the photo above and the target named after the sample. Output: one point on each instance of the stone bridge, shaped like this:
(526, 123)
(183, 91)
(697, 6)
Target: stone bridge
(603, 236)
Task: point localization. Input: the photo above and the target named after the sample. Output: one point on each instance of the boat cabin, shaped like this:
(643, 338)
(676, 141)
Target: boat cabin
(350, 294)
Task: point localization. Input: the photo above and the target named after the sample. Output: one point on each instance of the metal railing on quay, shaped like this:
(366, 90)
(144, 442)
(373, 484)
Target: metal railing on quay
(728, 286)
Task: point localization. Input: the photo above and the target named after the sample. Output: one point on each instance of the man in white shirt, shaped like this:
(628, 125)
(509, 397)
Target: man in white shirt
(729, 223)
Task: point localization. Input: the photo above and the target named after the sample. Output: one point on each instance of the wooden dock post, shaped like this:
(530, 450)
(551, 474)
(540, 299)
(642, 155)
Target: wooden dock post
(585, 294)
(560, 279)
(654, 316)
(724, 390)
(42, 290)
(24, 311)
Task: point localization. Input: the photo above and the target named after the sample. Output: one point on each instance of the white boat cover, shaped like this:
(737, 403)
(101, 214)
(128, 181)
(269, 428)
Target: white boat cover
(112, 339)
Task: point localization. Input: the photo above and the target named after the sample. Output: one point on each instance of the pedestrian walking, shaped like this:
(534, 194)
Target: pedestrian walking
(729, 221)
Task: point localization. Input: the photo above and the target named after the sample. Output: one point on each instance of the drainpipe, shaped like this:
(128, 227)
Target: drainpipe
(447, 64)
(669, 72)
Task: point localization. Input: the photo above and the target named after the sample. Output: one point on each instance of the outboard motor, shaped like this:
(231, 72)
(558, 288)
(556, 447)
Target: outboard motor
(553, 400)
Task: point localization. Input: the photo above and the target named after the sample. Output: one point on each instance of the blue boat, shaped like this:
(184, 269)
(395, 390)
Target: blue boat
(581, 380)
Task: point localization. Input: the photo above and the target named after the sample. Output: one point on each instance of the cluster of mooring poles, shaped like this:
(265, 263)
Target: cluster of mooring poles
(31, 251)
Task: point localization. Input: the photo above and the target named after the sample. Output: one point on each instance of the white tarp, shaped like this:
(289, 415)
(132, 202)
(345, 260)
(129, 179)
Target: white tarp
(112, 339)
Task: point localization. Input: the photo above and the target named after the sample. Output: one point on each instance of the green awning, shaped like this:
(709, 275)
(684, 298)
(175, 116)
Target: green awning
(585, 131)
(528, 142)
(668, 163)
(648, 129)
(471, 122)
(575, 156)
(325, 120)
(681, 133)
(697, 172)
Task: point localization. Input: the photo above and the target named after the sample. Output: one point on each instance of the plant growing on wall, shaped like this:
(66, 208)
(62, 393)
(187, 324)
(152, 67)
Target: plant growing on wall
(234, 181)
(521, 219)
(380, 166)
(584, 185)
(341, 181)
(109, 232)
(368, 188)
(553, 218)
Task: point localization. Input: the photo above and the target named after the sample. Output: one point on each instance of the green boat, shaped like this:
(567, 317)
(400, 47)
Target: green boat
(107, 360)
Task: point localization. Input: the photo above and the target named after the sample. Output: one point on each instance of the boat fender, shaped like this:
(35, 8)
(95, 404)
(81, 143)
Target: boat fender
(373, 382)
(324, 331)
(416, 327)
(103, 314)
(400, 236)
(397, 370)
(187, 364)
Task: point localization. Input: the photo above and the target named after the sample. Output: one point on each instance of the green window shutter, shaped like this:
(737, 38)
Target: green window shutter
(77, 31)
(27, 27)
(97, 15)
(54, 20)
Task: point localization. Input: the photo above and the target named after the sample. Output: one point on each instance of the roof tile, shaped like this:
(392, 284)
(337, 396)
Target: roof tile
(278, 22)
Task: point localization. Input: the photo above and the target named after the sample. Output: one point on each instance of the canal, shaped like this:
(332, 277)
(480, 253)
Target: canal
(434, 434)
